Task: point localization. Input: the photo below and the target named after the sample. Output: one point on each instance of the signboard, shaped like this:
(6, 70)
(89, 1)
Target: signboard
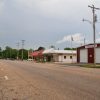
(90, 46)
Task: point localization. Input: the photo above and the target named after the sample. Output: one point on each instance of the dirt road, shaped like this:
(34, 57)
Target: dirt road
(22, 80)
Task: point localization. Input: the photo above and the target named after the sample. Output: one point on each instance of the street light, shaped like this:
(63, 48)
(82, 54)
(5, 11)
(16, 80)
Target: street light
(93, 23)
(87, 21)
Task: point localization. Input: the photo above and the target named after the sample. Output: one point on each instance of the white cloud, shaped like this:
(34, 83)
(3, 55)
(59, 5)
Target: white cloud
(98, 40)
(77, 38)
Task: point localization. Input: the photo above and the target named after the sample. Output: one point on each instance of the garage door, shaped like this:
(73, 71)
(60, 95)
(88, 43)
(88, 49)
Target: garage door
(97, 52)
(83, 56)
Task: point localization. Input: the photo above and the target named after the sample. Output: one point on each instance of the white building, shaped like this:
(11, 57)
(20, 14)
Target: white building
(67, 56)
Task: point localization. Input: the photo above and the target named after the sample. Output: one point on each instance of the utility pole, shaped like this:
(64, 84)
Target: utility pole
(22, 47)
(17, 50)
(94, 21)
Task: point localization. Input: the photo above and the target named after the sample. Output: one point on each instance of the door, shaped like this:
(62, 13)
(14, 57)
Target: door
(83, 56)
(90, 55)
(60, 58)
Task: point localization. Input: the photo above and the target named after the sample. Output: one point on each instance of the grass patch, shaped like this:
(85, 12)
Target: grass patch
(85, 65)
(81, 65)
(89, 65)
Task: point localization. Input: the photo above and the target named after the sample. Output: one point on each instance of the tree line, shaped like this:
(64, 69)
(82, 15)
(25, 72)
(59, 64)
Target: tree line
(10, 53)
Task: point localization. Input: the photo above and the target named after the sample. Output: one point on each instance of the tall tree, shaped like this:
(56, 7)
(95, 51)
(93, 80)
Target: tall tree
(41, 48)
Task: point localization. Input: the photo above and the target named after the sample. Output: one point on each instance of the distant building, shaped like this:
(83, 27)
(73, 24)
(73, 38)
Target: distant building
(67, 56)
(85, 54)
(36, 55)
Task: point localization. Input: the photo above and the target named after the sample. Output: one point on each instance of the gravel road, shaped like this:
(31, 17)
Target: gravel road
(23, 80)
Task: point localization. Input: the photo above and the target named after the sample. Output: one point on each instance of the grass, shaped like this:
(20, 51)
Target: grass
(90, 65)
(85, 65)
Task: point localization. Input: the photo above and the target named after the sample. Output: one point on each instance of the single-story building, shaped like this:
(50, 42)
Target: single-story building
(85, 54)
(68, 56)
(36, 55)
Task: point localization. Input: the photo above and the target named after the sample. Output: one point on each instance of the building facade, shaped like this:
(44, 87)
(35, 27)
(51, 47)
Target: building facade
(85, 54)
(67, 56)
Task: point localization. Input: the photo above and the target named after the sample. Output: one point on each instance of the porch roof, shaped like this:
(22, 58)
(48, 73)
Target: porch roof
(37, 53)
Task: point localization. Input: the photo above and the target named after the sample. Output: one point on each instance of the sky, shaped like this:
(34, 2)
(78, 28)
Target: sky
(47, 22)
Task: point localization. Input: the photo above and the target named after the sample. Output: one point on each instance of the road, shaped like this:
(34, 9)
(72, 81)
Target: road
(23, 80)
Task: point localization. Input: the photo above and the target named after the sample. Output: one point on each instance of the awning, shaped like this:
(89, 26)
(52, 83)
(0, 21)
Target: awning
(37, 53)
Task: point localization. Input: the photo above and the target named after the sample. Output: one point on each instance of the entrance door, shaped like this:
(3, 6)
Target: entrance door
(90, 55)
(60, 58)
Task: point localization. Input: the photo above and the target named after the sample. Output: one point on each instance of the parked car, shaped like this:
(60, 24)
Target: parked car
(30, 59)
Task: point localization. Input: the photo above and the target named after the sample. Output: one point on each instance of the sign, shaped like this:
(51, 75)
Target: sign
(90, 46)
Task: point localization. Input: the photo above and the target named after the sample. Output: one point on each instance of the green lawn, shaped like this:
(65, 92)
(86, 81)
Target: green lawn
(90, 65)
(84, 65)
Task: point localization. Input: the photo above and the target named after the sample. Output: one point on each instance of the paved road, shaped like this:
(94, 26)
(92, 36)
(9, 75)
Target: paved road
(35, 81)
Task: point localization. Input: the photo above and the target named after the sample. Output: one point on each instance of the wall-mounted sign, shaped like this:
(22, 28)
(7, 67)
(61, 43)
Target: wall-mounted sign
(90, 46)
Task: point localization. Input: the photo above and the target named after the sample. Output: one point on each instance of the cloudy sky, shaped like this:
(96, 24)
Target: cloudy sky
(46, 22)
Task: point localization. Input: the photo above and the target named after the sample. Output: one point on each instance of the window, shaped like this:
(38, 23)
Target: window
(71, 57)
(64, 57)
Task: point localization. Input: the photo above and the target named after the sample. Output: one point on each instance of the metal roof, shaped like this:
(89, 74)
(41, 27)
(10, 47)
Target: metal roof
(52, 51)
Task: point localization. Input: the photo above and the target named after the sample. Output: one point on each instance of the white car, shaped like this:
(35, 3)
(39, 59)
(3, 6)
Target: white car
(30, 59)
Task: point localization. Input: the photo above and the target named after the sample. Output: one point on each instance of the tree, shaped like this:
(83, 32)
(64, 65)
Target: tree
(8, 51)
(25, 54)
(0, 52)
(14, 53)
(69, 48)
(52, 46)
(41, 48)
